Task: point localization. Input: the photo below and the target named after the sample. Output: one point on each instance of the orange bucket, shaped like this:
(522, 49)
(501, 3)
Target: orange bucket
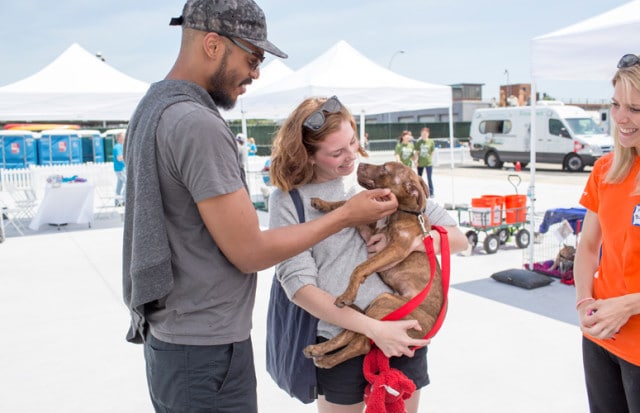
(496, 216)
(482, 210)
(516, 208)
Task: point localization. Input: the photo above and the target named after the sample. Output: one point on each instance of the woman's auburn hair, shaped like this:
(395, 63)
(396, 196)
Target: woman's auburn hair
(294, 144)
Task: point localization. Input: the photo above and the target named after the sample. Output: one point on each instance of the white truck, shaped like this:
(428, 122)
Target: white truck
(564, 134)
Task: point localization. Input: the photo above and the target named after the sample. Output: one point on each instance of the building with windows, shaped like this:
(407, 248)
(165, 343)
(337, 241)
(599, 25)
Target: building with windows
(467, 97)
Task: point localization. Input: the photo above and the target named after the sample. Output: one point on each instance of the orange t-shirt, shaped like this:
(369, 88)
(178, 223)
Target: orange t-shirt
(619, 270)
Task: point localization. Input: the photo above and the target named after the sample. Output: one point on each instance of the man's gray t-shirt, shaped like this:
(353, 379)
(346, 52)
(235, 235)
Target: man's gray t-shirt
(211, 301)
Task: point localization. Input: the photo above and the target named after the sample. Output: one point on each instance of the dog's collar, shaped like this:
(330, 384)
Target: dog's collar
(420, 216)
(416, 213)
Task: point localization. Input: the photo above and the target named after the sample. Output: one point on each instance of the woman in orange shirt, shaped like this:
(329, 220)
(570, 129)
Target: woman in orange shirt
(607, 263)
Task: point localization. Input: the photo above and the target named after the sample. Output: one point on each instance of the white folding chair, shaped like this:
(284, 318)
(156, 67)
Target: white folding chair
(108, 202)
(24, 199)
(10, 215)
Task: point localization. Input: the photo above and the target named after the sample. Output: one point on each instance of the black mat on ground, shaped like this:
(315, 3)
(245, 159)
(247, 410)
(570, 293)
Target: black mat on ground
(555, 301)
(522, 278)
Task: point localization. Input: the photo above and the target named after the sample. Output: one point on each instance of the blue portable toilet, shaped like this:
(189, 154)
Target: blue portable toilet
(59, 146)
(18, 149)
(109, 138)
(92, 145)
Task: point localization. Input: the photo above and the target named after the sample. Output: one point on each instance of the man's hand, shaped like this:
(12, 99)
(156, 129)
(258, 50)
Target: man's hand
(369, 206)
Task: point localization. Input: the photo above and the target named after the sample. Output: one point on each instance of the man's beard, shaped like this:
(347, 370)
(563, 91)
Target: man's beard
(221, 80)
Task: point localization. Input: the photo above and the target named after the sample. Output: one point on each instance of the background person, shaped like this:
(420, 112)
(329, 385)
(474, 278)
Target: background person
(424, 152)
(243, 151)
(252, 147)
(404, 151)
(119, 169)
(318, 142)
(189, 279)
(607, 262)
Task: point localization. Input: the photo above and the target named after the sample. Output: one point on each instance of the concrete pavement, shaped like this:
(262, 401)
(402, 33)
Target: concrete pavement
(501, 349)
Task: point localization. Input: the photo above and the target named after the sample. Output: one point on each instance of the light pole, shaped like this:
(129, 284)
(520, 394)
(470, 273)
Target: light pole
(506, 72)
(397, 52)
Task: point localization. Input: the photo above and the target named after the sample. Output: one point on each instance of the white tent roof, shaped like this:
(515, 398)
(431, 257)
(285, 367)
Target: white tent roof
(362, 85)
(588, 50)
(75, 86)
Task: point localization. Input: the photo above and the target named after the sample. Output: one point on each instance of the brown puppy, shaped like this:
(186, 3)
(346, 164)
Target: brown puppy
(564, 259)
(407, 278)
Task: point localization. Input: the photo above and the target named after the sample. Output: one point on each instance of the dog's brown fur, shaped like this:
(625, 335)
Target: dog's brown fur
(407, 278)
(564, 259)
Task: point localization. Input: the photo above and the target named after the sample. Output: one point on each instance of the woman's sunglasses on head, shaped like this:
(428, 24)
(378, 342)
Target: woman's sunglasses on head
(628, 60)
(316, 120)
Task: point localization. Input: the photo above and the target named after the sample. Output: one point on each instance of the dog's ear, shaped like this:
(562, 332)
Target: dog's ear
(422, 198)
(414, 191)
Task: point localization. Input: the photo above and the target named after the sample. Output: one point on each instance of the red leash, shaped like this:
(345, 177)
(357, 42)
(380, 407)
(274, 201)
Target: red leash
(389, 387)
(419, 298)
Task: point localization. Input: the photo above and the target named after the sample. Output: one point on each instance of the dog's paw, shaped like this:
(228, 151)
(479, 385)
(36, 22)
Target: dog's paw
(343, 301)
(318, 204)
(320, 362)
(309, 351)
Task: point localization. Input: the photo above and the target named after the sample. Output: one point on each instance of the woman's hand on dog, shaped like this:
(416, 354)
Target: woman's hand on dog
(375, 244)
(391, 337)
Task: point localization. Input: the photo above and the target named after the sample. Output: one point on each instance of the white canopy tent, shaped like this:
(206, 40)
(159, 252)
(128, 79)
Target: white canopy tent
(588, 50)
(75, 86)
(359, 83)
(271, 73)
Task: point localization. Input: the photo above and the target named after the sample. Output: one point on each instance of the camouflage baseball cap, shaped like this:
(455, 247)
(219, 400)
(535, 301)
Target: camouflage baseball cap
(234, 18)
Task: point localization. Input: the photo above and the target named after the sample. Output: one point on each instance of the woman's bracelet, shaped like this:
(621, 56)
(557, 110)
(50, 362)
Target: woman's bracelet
(584, 300)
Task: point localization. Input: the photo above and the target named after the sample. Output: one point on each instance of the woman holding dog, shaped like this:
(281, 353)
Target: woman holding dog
(316, 151)
(607, 262)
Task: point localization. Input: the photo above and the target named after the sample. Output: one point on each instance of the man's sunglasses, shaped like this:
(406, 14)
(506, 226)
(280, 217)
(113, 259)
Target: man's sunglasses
(255, 54)
(628, 60)
(316, 120)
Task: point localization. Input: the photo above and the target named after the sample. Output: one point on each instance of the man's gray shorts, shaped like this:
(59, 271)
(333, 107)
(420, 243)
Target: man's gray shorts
(215, 379)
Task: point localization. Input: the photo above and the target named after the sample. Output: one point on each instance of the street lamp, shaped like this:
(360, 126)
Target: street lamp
(397, 52)
(506, 72)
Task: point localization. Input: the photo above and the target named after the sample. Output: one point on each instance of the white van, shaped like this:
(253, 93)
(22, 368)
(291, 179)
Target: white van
(564, 134)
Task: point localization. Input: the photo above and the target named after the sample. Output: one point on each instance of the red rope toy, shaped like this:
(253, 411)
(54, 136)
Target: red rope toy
(388, 388)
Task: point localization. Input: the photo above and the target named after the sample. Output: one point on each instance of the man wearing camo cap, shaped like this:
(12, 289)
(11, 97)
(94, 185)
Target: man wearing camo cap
(192, 241)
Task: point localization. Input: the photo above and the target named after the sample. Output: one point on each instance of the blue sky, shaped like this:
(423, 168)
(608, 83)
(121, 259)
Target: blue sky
(444, 41)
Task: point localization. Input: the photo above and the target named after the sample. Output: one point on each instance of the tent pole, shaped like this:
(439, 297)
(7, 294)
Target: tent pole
(531, 192)
(249, 177)
(362, 130)
(451, 150)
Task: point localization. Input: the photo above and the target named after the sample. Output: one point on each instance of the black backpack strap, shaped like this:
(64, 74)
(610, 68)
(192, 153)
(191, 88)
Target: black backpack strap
(297, 201)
